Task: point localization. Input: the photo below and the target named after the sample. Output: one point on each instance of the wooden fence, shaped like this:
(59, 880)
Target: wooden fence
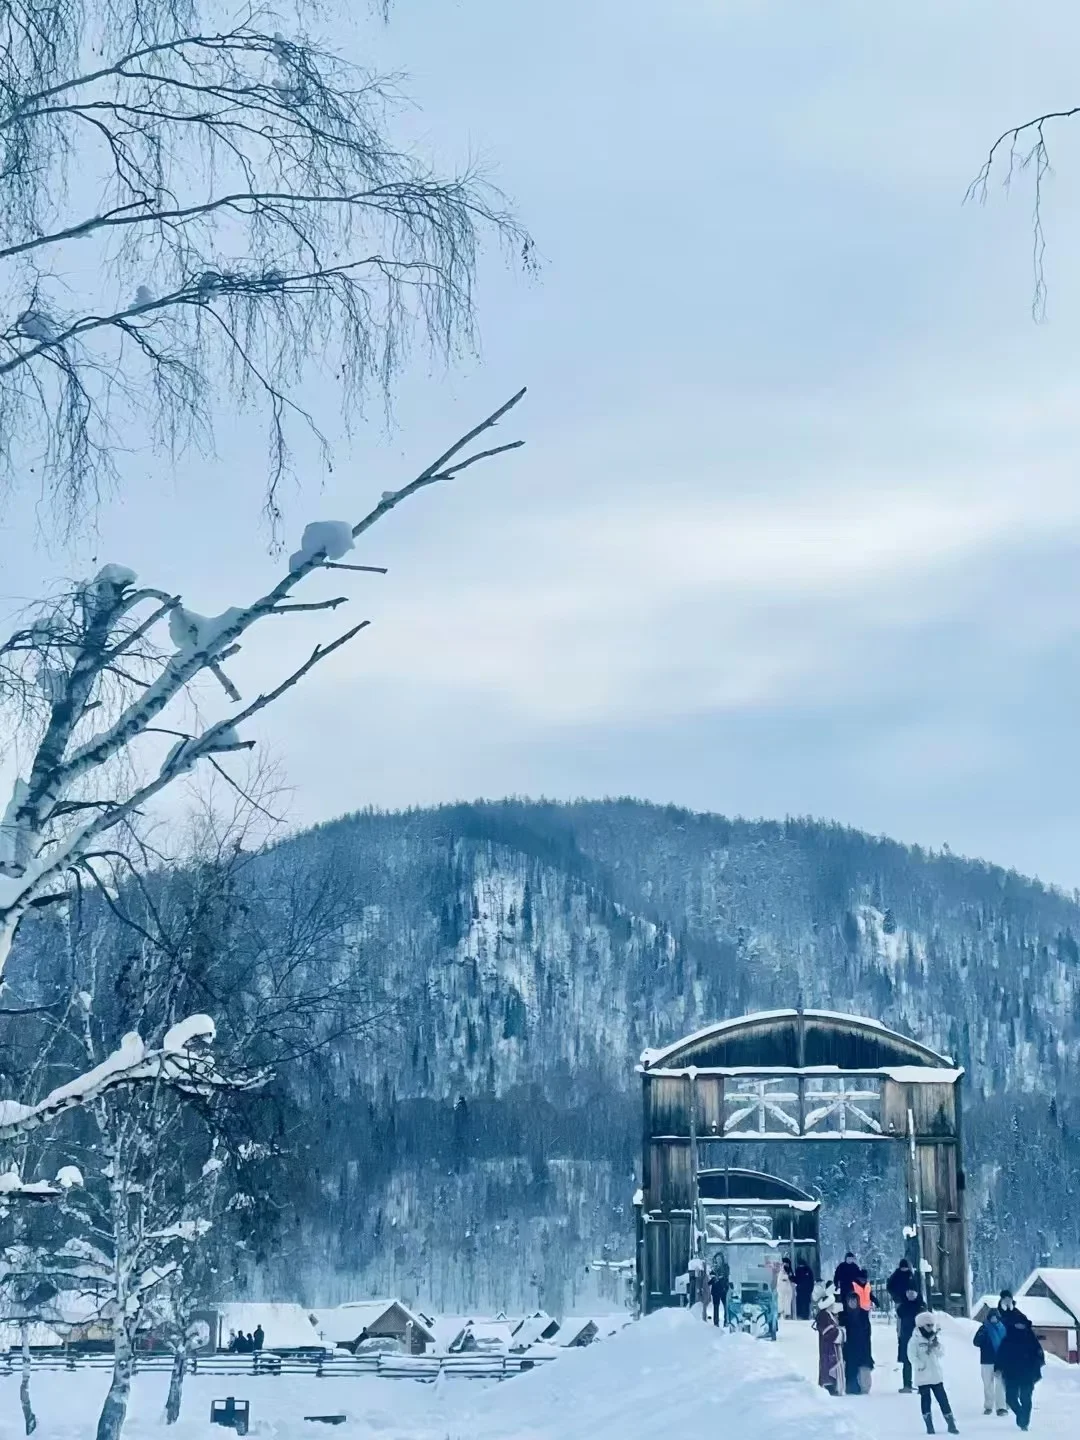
(479, 1366)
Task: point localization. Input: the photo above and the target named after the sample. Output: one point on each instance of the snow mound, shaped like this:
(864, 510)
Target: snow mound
(666, 1373)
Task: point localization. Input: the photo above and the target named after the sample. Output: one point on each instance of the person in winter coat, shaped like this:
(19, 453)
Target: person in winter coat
(900, 1281)
(830, 1343)
(908, 1308)
(1020, 1360)
(785, 1291)
(987, 1341)
(804, 1290)
(861, 1288)
(858, 1352)
(847, 1272)
(927, 1366)
(1007, 1308)
(718, 1289)
(258, 1337)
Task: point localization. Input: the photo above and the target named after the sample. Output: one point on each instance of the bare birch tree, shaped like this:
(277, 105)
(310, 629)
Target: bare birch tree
(194, 212)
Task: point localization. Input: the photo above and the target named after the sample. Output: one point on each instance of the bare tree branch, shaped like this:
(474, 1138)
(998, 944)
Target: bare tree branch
(1022, 149)
(251, 217)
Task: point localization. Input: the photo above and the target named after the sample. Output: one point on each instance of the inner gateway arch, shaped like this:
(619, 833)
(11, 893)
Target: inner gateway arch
(797, 1075)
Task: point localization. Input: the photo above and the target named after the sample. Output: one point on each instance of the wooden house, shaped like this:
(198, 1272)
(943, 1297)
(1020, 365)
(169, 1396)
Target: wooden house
(1050, 1298)
(365, 1323)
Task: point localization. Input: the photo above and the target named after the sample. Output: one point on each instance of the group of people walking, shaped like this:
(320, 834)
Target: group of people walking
(1010, 1355)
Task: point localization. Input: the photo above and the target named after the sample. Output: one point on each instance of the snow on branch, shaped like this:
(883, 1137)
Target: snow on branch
(175, 1064)
(90, 681)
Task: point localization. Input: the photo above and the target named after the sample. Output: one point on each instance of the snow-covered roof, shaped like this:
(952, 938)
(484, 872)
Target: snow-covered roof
(531, 1330)
(1064, 1286)
(285, 1326)
(655, 1057)
(1045, 1313)
(485, 1335)
(346, 1323)
(606, 1325)
(41, 1336)
(446, 1329)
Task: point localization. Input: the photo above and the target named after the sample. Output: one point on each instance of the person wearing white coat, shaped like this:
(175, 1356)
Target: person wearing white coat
(927, 1356)
(785, 1292)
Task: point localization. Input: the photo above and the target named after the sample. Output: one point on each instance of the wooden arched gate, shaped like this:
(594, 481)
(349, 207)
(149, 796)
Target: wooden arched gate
(805, 1075)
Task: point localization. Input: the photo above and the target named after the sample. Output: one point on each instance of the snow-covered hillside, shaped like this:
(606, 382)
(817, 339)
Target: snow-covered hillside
(477, 1147)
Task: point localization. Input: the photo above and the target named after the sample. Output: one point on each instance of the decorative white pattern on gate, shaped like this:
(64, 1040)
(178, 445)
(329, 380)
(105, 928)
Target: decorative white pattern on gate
(761, 1107)
(844, 1105)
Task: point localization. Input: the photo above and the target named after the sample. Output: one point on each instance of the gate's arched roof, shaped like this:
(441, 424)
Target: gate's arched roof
(735, 1184)
(794, 1038)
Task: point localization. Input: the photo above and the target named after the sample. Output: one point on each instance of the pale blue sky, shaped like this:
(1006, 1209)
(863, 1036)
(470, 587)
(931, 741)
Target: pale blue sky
(798, 523)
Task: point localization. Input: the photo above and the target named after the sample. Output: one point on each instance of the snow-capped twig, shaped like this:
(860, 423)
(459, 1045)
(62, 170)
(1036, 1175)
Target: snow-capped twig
(49, 828)
(174, 1064)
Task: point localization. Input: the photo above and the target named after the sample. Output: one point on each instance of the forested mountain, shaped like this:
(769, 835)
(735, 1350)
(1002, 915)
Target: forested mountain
(473, 1141)
(479, 1147)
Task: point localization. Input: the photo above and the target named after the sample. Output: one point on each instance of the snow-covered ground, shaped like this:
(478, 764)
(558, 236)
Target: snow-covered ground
(669, 1374)
(885, 1414)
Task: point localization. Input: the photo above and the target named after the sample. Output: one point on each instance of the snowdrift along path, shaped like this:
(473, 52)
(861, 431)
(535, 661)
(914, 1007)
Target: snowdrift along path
(668, 1375)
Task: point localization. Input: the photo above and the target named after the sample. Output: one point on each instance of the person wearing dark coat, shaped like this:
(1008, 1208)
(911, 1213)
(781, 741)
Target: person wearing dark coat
(804, 1290)
(900, 1281)
(718, 1289)
(258, 1338)
(846, 1275)
(907, 1308)
(1020, 1360)
(1007, 1309)
(858, 1352)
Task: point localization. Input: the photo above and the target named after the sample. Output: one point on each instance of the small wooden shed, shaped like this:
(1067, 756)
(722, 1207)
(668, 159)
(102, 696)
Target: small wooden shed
(787, 1075)
(1050, 1298)
(359, 1322)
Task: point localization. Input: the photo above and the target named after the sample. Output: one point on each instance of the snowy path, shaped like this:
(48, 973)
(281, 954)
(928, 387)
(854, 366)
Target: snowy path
(669, 1375)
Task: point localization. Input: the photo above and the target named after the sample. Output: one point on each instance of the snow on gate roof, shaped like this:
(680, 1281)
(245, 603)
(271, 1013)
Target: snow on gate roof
(920, 1055)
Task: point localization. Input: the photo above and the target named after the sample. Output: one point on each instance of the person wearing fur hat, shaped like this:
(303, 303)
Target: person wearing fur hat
(927, 1356)
(830, 1340)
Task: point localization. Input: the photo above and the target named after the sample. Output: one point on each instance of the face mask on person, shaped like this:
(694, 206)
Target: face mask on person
(1007, 1304)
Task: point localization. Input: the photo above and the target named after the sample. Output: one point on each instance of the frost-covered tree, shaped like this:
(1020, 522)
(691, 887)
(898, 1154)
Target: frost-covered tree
(99, 684)
(202, 206)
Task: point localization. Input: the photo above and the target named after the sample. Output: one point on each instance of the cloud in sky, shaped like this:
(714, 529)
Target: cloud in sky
(798, 525)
